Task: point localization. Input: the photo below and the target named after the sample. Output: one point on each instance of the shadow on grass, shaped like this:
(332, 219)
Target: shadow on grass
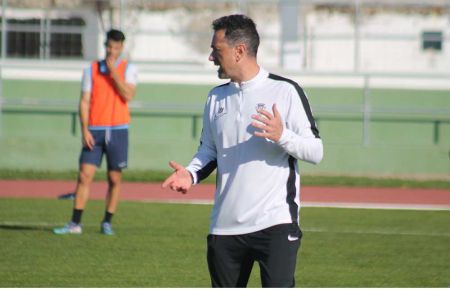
(11, 227)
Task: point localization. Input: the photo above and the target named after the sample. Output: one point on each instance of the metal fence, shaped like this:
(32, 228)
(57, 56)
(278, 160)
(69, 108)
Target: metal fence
(363, 110)
(363, 115)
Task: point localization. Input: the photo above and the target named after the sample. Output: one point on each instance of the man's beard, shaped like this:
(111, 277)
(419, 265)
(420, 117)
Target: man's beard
(221, 73)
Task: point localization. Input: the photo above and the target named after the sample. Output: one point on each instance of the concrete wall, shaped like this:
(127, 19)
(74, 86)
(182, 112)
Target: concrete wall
(389, 40)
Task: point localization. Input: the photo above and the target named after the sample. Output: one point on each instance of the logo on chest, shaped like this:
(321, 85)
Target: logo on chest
(220, 112)
(260, 106)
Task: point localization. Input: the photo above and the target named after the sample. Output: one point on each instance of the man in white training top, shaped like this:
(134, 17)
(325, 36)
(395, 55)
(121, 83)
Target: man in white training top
(255, 128)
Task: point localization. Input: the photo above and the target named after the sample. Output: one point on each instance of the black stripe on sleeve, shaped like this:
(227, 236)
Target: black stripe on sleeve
(304, 100)
(292, 191)
(206, 171)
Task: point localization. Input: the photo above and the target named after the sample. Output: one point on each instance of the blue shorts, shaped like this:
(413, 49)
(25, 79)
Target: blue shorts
(112, 143)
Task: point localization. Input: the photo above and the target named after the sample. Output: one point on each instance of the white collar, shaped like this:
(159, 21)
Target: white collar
(261, 75)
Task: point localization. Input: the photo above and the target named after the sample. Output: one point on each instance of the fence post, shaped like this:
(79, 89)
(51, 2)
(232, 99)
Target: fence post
(74, 123)
(366, 110)
(436, 132)
(194, 126)
(1, 98)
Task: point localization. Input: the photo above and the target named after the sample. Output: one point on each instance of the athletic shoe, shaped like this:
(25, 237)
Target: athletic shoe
(106, 229)
(70, 228)
(69, 195)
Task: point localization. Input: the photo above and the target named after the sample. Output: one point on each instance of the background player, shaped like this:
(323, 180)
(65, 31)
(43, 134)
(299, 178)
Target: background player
(107, 87)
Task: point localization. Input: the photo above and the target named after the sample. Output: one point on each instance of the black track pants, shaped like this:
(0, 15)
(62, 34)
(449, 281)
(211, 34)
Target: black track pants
(231, 258)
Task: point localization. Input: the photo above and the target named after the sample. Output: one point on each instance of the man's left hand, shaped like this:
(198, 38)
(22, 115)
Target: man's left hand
(271, 125)
(110, 64)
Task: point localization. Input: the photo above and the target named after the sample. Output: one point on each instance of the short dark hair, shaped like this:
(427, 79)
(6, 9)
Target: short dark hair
(115, 35)
(239, 28)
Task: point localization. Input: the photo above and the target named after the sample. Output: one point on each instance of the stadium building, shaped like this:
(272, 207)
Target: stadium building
(304, 35)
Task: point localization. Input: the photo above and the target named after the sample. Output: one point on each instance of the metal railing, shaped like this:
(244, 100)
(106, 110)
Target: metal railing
(362, 114)
(74, 120)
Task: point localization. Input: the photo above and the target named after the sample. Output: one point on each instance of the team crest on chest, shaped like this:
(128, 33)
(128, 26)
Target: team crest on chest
(260, 106)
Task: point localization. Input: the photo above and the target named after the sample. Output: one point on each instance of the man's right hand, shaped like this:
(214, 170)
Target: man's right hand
(180, 180)
(88, 140)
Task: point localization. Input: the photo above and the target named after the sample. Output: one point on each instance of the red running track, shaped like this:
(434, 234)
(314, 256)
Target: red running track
(310, 195)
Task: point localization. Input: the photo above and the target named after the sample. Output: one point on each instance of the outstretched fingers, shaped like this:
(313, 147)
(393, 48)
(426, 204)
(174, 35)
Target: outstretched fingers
(180, 180)
(270, 125)
(175, 165)
(168, 180)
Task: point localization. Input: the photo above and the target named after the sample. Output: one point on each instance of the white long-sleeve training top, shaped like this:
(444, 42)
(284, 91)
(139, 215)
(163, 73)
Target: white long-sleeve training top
(258, 181)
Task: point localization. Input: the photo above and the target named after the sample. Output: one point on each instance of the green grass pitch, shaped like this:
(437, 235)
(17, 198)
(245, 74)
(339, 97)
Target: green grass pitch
(163, 245)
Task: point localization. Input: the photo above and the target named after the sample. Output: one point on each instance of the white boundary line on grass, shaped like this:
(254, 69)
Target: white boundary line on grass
(376, 232)
(179, 201)
(377, 205)
(304, 229)
(36, 224)
(324, 204)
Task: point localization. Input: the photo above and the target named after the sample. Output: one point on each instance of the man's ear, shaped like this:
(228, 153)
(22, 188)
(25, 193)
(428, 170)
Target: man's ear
(240, 51)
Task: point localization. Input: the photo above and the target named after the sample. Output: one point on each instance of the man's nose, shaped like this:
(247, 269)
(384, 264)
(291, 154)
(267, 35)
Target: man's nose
(211, 57)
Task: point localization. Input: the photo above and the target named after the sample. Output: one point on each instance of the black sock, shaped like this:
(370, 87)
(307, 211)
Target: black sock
(108, 217)
(76, 215)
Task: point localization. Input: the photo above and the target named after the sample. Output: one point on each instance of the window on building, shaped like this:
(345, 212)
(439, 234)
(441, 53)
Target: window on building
(432, 40)
(23, 38)
(66, 38)
(44, 38)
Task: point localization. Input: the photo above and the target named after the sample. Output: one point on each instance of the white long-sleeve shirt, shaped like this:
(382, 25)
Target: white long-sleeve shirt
(258, 181)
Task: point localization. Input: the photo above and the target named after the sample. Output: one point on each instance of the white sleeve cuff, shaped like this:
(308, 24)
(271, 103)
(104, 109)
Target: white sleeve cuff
(285, 137)
(194, 176)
